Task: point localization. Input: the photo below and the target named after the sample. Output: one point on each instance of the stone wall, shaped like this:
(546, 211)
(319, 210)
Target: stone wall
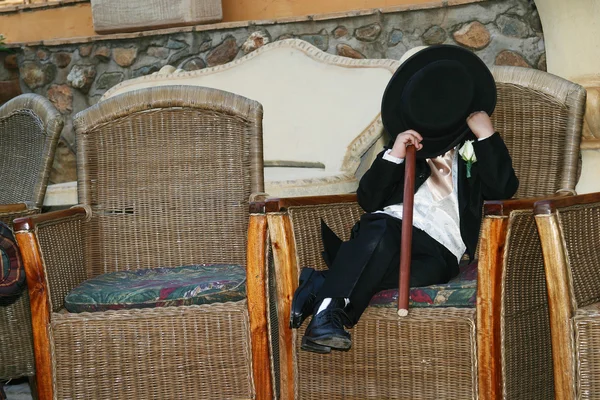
(74, 75)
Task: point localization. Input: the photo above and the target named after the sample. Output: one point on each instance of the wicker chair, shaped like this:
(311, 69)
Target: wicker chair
(499, 347)
(165, 177)
(570, 234)
(29, 130)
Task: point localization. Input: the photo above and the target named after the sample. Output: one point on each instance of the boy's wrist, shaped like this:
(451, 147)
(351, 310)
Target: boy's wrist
(479, 139)
(484, 136)
(389, 156)
(395, 153)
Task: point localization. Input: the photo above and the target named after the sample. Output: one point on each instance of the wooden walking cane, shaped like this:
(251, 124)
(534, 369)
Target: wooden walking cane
(407, 220)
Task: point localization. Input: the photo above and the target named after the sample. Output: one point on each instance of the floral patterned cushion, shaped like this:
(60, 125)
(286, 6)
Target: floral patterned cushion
(461, 291)
(159, 287)
(12, 273)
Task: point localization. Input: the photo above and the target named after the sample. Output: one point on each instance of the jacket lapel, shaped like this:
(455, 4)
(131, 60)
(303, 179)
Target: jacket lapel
(463, 185)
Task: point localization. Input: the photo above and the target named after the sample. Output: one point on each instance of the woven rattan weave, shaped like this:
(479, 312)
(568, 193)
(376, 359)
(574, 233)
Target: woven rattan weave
(587, 340)
(570, 235)
(29, 130)
(410, 359)
(539, 116)
(166, 174)
(526, 350)
(581, 225)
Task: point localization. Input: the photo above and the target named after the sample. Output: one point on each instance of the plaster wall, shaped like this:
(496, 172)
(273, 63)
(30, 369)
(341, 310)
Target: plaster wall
(243, 10)
(571, 31)
(50, 23)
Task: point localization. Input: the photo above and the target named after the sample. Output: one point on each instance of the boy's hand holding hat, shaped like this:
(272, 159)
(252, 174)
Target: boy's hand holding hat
(480, 124)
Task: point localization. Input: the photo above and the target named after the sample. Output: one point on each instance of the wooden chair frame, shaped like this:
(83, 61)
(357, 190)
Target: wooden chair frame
(500, 224)
(27, 234)
(36, 136)
(275, 222)
(562, 289)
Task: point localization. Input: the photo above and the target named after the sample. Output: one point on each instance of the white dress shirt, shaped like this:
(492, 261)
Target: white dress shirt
(438, 218)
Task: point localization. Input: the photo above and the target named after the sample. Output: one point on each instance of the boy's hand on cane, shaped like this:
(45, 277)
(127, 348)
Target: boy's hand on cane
(404, 139)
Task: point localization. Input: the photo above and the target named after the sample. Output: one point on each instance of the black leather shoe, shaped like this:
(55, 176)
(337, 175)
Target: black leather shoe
(307, 345)
(305, 296)
(327, 327)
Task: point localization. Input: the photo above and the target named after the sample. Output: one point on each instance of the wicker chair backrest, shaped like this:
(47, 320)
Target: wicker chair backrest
(168, 173)
(580, 227)
(525, 316)
(540, 117)
(29, 130)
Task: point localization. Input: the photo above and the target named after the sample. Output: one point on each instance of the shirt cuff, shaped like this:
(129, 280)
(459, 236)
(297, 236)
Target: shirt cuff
(388, 157)
(487, 137)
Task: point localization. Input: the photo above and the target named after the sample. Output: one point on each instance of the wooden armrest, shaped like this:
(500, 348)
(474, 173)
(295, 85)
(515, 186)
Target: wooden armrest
(50, 278)
(568, 269)
(29, 223)
(12, 208)
(493, 250)
(281, 204)
(257, 202)
(548, 206)
(502, 208)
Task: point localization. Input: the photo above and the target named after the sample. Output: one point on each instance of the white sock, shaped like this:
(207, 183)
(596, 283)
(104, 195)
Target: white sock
(327, 301)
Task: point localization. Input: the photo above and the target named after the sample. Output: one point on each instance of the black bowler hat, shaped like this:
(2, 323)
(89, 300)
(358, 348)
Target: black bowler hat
(433, 92)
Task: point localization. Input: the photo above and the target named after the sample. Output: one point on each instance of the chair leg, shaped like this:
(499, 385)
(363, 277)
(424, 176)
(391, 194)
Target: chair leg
(257, 306)
(2, 394)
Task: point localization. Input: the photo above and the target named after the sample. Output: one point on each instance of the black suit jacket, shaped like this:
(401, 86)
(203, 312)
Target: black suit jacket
(492, 178)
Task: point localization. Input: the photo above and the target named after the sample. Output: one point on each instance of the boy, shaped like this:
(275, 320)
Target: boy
(440, 100)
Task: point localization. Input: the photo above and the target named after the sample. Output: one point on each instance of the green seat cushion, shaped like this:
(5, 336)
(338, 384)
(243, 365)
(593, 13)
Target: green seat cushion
(159, 287)
(461, 291)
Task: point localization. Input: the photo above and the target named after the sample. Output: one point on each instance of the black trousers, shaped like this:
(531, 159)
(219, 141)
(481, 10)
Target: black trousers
(369, 262)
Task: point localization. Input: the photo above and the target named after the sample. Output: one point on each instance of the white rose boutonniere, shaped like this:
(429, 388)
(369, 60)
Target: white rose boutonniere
(468, 154)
